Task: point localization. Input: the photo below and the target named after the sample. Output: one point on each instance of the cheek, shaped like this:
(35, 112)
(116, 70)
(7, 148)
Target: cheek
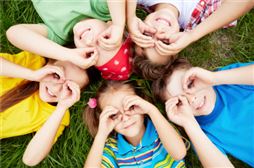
(43, 94)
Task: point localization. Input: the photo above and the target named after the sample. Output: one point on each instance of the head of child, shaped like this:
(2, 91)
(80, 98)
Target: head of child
(164, 19)
(51, 89)
(86, 34)
(170, 85)
(113, 94)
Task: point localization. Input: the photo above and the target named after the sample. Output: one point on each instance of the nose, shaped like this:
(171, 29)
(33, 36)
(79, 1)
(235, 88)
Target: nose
(56, 88)
(90, 40)
(125, 117)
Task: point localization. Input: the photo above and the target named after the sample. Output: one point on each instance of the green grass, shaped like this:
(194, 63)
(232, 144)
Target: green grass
(217, 49)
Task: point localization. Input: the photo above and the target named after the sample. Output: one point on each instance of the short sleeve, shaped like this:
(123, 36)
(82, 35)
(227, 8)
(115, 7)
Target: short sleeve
(108, 158)
(235, 65)
(25, 59)
(54, 37)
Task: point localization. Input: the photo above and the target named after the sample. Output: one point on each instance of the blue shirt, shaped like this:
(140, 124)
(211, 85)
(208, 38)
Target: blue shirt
(148, 153)
(230, 126)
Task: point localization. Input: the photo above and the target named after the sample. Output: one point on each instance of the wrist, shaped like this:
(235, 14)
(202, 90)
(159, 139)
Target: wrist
(190, 124)
(101, 135)
(61, 107)
(31, 76)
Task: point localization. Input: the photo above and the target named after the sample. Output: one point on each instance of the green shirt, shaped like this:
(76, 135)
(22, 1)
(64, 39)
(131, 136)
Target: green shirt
(60, 16)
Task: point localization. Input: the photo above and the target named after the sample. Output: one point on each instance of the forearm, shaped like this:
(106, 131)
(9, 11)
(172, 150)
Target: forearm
(42, 142)
(94, 157)
(117, 11)
(33, 38)
(208, 153)
(242, 75)
(10, 69)
(131, 9)
(229, 9)
(170, 139)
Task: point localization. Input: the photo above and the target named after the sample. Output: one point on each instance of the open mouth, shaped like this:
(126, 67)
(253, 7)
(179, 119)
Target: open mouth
(50, 93)
(84, 33)
(163, 21)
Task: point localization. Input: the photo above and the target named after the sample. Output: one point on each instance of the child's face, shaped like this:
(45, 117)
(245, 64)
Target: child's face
(130, 125)
(202, 102)
(51, 90)
(164, 21)
(87, 31)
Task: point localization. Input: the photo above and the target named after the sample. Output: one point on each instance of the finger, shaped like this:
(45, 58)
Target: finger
(183, 100)
(107, 113)
(164, 49)
(92, 60)
(143, 43)
(145, 28)
(129, 101)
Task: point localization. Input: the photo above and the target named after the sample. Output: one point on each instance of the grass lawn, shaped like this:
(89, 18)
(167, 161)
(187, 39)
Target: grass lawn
(217, 49)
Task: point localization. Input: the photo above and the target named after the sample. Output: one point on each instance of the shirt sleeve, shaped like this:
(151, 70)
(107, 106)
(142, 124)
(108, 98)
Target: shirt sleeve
(108, 158)
(235, 65)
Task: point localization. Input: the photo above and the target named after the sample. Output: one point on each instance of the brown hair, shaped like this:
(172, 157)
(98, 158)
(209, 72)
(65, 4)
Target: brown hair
(159, 85)
(91, 115)
(148, 70)
(17, 94)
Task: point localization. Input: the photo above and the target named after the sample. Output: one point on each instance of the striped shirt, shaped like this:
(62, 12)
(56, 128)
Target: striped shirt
(148, 153)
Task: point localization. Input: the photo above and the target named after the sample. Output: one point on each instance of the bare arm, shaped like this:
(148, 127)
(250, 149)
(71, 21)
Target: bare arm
(242, 75)
(95, 155)
(198, 78)
(117, 12)
(170, 139)
(41, 144)
(10, 69)
(229, 9)
(33, 38)
(168, 135)
(106, 125)
(208, 153)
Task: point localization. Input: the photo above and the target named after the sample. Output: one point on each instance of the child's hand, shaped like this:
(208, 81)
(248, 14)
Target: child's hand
(49, 73)
(70, 94)
(109, 118)
(177, 42)
(83, 57)
(111, 38)
(137, 105)
(139, 32)
(196, 79)
(179, 111)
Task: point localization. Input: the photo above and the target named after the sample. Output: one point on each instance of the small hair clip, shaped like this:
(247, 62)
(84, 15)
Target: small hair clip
(92, 102)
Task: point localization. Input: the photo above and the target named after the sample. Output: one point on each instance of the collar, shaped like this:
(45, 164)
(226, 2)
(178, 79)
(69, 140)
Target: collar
(148, 138)
(205, 119)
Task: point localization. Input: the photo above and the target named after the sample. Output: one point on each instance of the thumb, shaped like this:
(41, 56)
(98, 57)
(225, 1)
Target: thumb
(145, 28)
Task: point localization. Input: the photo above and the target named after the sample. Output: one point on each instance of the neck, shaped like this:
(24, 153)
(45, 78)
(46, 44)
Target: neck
(136, 139)
(168, 6)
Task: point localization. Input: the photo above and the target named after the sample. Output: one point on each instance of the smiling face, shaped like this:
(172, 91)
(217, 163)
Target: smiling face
(202, 102)
(130, 125)
(86, 32)
(164, 21)
(51, 90)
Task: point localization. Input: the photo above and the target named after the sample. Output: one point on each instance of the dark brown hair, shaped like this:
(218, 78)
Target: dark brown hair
(91, 115)
(17, 94)
(145, 68)
(159, 85)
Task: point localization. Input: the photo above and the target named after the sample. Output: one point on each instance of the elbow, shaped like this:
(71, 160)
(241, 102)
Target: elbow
(11, 33)
(180, 155)
(30, 160)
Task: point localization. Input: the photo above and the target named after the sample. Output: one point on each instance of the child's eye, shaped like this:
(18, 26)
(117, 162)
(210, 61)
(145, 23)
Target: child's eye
(148, 34)
(179, 103)
(165, 41)
(191, 84)
(56, 76)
